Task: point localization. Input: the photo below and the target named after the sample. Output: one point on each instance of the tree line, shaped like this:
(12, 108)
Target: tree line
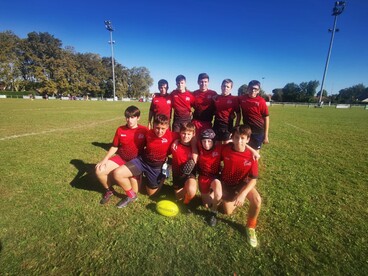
(39, 63)
(306, 92)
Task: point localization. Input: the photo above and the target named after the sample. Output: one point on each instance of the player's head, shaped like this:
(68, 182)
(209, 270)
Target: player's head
(240, 136)
(132, 115)
(207, 138)
(203, 80)
(187, 132)
(181, 82)
(132, 111)
(226, 86)
(163, 86)
(254, 87)
(160, 124)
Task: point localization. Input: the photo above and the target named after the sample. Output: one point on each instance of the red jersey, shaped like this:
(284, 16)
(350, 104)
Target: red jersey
(129, 141)
(180, 155)
(209, 161)
(238, 166)
(182, 104)
(157, 148)
(204, 107)
(253, 110)
(226, 108)
(161, 104)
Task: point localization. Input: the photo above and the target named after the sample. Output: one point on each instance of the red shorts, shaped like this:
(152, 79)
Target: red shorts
(118, 160)
(204, 183)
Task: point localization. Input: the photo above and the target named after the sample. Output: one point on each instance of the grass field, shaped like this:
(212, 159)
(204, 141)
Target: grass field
(313, 182)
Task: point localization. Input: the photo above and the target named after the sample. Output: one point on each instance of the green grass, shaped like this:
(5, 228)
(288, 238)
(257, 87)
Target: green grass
(313, 182)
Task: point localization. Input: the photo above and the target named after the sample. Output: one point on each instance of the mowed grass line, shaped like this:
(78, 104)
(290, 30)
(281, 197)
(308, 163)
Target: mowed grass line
(313, 181)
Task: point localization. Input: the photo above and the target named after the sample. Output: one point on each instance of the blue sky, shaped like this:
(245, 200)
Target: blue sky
(276, 42)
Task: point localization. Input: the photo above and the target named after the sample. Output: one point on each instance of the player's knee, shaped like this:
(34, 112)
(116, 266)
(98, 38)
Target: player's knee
(257, 201)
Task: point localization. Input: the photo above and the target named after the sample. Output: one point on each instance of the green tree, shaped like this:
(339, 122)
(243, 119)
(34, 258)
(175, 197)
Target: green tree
(139, 82)
(10, 74)
(352, 94)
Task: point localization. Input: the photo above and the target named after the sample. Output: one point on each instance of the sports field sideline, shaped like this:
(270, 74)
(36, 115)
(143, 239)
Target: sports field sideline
(313, 182)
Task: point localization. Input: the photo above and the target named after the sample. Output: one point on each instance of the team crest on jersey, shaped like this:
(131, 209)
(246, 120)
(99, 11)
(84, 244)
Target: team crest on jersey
(247, 163)
(163, 140)
(215, 153)
(140, 136)
(229, 101)
(187, 99)
(168, 101)
(123, 135)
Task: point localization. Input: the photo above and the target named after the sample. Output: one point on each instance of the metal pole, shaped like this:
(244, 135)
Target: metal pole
(112, 63)
(108, 26)
(327, 61)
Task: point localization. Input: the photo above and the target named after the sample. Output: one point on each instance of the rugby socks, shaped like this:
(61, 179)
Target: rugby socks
(252, 223)
(187, 199)
(131, 193)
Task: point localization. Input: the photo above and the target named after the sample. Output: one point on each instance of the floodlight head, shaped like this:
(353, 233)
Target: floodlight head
(339, 8)
(108, 25)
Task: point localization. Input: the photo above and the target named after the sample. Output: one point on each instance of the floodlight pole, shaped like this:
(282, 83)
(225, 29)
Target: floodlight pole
(336, 11)
(108, 26)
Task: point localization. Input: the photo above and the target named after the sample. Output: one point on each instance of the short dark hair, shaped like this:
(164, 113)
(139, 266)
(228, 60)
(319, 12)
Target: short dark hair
(161, 119)
(227, 81)
(242, 130)
(202, 76)
(180, 78)
(162, 82)
(254, 82)
(132, 111)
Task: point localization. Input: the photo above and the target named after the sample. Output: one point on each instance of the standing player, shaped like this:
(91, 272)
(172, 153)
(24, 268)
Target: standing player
(182, 101)
(255, 114)
(226, 109)
(161, 102)
(127, 144)
(204, 107)
(158, 142)
(184, 182)
(238, 180)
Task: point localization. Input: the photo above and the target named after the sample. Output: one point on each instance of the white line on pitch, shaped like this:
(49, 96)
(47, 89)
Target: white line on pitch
(306, 131)
(55, 130)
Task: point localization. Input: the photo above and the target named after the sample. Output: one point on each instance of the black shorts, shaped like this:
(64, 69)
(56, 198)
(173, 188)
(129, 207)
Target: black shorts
(179, 182)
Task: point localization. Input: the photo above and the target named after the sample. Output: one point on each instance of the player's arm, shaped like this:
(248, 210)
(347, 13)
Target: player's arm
(150, 118)
(238, 117)
(267, 125)
(256, 154)
(102, 164)
(193, 144)
(240, 198)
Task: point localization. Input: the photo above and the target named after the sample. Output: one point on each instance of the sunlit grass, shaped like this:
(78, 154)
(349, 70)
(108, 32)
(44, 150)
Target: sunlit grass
(313, 182)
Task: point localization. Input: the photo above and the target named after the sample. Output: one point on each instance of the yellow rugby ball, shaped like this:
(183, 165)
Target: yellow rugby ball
(167, 208)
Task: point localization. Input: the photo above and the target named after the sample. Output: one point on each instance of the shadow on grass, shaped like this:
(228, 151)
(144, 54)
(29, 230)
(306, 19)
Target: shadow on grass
(85, 178)
(105, 146)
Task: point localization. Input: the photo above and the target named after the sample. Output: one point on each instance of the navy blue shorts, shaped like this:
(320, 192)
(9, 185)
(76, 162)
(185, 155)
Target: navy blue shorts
(256, 140)
(150, 172)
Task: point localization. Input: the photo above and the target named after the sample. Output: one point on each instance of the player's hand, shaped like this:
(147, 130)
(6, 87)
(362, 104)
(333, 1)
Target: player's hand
(265, 140)
(256, 156)
(239, 200)
(101, 166)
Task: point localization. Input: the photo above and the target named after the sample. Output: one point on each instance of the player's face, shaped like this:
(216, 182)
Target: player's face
(226, 88)
(181, 85)
(160, 129)
(186, 136)
(207, 144)
(163, 89)
(203, 84)
(132, 122)
(240, 142)
(253, 91)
